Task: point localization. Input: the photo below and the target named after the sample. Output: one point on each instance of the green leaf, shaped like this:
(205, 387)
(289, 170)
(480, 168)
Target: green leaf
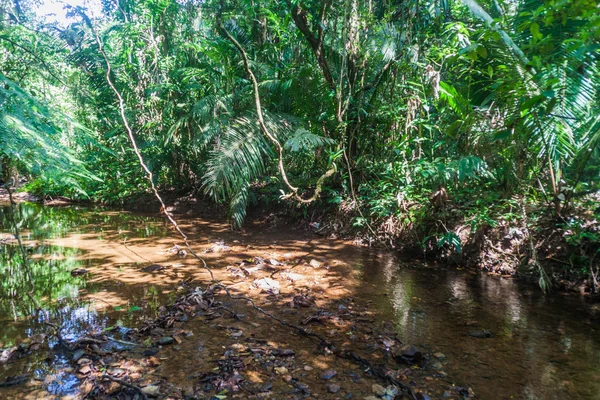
(482, 51)
(535, 31)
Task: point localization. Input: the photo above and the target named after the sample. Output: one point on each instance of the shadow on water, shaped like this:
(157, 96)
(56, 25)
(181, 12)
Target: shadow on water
(541, 346)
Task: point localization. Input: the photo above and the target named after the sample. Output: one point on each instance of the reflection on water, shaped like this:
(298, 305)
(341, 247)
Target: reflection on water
(37, 286)
(544, 347)
(36, 279)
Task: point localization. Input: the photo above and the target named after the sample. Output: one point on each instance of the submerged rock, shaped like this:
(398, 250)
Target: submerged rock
(330, 373)
(333, 388)
(378, 389)
(481, 334)
(165, 340)
(152, 390)
(150, 352)
(409, 354)
(303, 387)
(436, 365)
(281, 370)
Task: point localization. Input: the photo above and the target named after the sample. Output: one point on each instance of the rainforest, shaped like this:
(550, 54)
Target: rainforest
(289, 199)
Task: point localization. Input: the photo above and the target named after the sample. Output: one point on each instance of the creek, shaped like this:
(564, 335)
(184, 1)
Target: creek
(539, 346)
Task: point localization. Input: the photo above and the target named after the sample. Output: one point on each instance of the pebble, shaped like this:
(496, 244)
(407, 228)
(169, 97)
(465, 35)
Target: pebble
(436, 365)
(409, 351)
(378, 389)
(78, 354)
(303, 387)
(327, 375)
(188, 391)
(165, 340)
(308, 368)
(281, 370)
(481, 334)
(151, 390)
(284, 352)
(439, 356)
(333, 388)
(150, 352)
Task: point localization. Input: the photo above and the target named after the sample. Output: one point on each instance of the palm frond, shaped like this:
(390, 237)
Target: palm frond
(302, 139)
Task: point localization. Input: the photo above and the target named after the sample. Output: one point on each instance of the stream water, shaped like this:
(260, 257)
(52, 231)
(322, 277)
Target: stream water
(541, 346)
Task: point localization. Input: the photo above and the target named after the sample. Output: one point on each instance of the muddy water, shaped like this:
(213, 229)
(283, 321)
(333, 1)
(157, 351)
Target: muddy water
(540, 346)
(543, 347)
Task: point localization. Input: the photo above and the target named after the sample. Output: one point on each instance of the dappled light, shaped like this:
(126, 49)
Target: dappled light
(357, 298)
(332, 199)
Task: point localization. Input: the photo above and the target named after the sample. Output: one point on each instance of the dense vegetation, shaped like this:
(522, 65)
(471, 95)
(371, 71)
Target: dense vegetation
(409, 119)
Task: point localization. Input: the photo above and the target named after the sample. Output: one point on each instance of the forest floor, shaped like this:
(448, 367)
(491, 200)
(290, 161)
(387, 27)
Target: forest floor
(561, 248)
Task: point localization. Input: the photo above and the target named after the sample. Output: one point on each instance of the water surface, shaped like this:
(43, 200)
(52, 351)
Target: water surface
(543, 347)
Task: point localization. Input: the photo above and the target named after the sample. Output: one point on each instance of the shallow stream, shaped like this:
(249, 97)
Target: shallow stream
(540, 346)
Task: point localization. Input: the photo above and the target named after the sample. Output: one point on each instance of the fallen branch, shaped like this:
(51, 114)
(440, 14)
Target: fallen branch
(13, 381)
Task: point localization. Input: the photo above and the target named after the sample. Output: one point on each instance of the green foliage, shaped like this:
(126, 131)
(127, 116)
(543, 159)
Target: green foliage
(450, 239)
(36, 137)
(485, 100)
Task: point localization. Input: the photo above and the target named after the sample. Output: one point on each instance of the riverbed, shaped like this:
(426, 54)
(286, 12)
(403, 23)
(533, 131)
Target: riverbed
(502, 338)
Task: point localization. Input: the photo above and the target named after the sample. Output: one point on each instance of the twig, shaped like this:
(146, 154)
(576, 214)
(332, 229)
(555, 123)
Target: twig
(124, 342)
(56, 331)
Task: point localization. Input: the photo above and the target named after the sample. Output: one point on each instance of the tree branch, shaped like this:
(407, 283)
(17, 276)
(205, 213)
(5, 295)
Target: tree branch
(315, 42)
(261, 121)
